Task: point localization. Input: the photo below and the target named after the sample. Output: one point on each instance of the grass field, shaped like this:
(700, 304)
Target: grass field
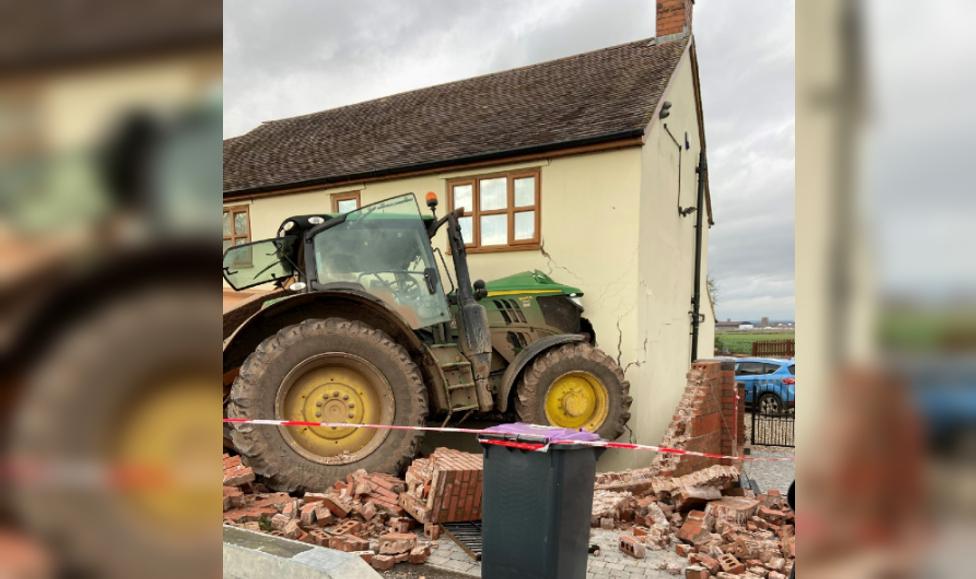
(740, 341)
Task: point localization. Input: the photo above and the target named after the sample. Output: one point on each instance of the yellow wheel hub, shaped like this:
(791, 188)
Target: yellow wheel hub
(335, 387)
(577, 400)
(164, 449)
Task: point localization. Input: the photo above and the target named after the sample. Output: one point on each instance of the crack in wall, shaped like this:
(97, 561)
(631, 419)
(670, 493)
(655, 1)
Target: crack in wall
(552, 262)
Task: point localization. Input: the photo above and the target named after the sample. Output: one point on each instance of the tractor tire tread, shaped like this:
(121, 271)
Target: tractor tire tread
(531, 391)
(288, 472)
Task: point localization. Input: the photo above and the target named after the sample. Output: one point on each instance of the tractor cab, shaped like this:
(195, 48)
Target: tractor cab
(382, 249)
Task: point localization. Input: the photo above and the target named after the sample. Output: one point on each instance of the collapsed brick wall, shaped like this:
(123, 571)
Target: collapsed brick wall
(708, 418)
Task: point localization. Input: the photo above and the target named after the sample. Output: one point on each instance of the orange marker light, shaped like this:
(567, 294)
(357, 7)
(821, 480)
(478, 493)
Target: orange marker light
(431, 198)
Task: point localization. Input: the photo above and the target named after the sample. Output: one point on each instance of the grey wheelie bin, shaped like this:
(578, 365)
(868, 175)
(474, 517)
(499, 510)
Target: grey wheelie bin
(536, 502)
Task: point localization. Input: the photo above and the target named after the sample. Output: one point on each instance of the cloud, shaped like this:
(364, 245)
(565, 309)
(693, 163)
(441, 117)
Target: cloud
(293, 57)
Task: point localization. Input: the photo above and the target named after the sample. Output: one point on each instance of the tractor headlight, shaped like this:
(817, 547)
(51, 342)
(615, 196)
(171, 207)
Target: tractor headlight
(578, 300)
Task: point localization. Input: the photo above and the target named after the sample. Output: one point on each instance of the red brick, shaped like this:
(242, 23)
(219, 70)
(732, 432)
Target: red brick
(706, 561)
(696, 572)
(419, 554)
(630, 545)
(682, 549)
(694, 530)
(730, 564)
(432, 531)
(348, 543)
(382, 562)
(393, 543)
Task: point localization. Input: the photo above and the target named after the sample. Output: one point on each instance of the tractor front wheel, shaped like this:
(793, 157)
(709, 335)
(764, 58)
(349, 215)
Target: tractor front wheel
(331, 370)
(575, 386)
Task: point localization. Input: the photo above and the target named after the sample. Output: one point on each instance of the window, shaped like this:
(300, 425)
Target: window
(345, 202)
(771, 368)
(749, 369)
(501, 211)
(793, 369)
(237, 226)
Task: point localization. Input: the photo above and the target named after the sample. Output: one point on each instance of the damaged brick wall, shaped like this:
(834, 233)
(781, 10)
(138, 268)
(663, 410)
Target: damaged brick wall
(707, 419)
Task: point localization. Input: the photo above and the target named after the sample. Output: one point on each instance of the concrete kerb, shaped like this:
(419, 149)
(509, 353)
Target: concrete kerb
(251, 555)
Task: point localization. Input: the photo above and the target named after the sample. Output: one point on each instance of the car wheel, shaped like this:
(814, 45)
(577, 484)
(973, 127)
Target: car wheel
(770, 404)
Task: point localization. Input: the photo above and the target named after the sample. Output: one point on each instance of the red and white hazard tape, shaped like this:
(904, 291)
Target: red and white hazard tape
(514, 444)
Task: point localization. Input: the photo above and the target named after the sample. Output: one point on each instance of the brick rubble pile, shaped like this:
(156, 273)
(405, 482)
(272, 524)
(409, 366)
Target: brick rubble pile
(364, 513)
(723, 530)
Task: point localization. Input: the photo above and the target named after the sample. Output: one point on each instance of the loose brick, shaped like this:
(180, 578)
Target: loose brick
(432, 531)
(694, 530)
(382, 562)
(348, 543)
(307, 515)
(632, 546)
(419, 554)
(731, 565)
(394, 543)
(291, 529)
(696, 572)
(682, 549)
(337, 506)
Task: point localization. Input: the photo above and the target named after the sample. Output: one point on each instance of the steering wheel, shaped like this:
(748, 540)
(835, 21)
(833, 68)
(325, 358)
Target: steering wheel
(405, 285)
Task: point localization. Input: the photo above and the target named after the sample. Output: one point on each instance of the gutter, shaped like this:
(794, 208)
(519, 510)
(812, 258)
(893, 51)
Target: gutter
(632, 137)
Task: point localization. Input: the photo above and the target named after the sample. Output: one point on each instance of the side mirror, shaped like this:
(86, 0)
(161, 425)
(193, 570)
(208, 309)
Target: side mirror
(480, 291)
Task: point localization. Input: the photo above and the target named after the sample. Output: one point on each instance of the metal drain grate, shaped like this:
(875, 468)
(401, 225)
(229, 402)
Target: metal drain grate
(467, 536)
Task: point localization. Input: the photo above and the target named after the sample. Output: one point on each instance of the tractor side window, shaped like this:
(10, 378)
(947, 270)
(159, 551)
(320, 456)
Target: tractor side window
(383, 249)
(265, 261)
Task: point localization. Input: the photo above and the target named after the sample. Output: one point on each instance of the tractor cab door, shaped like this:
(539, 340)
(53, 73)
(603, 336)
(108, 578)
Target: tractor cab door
(260, 262)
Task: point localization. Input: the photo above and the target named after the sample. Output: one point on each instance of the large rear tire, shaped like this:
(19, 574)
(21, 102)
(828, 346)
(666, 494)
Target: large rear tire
(575, 386)
(331, 370)
(130, 392)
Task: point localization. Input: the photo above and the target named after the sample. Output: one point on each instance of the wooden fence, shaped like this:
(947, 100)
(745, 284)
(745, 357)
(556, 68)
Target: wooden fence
(774, 348)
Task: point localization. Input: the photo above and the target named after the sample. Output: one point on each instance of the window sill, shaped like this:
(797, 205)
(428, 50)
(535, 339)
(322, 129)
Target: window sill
(504, 248)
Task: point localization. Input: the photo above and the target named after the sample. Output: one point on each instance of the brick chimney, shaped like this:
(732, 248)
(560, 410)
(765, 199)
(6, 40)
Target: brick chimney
(673, 17)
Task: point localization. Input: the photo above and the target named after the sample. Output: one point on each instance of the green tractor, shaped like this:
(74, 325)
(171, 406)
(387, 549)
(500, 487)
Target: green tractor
(362, 329)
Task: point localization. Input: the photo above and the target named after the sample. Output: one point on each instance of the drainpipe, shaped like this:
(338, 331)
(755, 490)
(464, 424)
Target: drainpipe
(702, 171)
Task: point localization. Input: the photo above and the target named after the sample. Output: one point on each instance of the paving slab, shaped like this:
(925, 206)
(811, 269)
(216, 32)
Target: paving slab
(611, 563)
(251, 555)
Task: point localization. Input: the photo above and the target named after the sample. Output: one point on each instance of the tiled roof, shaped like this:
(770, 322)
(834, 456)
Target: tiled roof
(598, 96)
(64, 32)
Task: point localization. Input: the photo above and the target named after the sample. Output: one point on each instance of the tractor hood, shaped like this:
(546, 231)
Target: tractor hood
(529, 282)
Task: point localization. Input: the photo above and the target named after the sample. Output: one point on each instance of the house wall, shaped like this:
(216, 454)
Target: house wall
(665, 265)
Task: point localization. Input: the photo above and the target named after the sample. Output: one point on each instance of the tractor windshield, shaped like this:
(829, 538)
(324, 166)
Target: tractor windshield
(384, 249)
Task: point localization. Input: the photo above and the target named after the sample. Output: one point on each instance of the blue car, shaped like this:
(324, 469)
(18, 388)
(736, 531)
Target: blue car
(770, 383)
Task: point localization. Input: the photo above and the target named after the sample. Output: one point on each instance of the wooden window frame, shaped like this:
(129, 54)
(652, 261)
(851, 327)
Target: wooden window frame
(510, 210)
(345, 196)
(233, 237)
(234, 209)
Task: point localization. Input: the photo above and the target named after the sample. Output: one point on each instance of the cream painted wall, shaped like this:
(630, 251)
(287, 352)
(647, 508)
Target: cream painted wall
(610, 226)
(662, 348)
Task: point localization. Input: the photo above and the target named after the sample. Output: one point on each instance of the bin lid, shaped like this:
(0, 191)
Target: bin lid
(539, 432)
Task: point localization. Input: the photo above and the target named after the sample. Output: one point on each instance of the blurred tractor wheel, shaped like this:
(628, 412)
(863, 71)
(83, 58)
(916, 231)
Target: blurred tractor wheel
(117, 437)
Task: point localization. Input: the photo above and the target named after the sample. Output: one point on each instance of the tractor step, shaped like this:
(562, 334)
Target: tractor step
(460, 386)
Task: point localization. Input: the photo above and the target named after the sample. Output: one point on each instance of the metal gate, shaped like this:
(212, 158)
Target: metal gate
(772, 424)
(772, 429)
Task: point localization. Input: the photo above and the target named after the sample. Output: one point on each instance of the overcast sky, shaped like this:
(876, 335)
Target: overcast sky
(292, 57)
